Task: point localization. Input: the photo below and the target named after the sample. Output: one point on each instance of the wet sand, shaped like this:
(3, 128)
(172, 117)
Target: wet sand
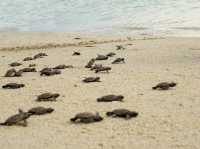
(167, 119)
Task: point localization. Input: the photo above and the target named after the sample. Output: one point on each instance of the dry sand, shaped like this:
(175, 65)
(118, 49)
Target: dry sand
(167, 119)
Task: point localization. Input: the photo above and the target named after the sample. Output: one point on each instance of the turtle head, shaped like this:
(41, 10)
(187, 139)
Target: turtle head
(98, 117)
(120, 97)
(56, 95)
(49, 110)
(133, 114)
(109, 113)
(22, 85)
(172, 84)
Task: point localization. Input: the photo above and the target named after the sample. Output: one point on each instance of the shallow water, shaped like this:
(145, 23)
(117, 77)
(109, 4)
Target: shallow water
(165, 17)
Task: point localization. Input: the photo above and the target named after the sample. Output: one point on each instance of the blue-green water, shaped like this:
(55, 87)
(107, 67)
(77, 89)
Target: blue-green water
(103, 16)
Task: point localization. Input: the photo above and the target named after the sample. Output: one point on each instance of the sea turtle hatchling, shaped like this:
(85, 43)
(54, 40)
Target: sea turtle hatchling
(123, 113)
(111, 54)
(17, 119)
(118, 60)
(40, 110)
(28, 59)
(110, 98)
(86, 117)
(119, 47)
(13, 73)
(28, 69)
(49, 72)
(31, 65)
(10, 73)
(76, 53)
(13, 86)
(96, 66)
(47, 97)
(164, 85)
(90, 63)
(39, 55)
(15, 64)
(63, 66)
(101, 57)
(91, 79)
(104, 68)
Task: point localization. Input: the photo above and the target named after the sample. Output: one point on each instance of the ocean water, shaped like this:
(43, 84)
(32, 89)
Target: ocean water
(155, 17)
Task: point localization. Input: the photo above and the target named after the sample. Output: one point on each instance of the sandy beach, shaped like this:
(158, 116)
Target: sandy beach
(167, 119)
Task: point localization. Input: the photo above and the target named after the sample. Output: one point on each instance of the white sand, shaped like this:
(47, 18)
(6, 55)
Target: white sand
(167, 119)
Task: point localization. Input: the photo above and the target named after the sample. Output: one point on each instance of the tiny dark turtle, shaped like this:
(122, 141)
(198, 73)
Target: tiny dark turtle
(17, 119)
(39, 55)
(40, 110)
(10, 73)
(91, 79)
(104, 68)
(101, 57)
(28, 59)
(118, 60)
(96, 66)
(31, 65)
(110, 98)
(13, 73)
(49, 72)
(48, 97)
(86, 117)
(28, 69)
(164, 86)
(13, 86)
(90, 63)
(15, 64)
(63, 66)
(120, 47)
(123, 113)
(111, 54)
(76, 54)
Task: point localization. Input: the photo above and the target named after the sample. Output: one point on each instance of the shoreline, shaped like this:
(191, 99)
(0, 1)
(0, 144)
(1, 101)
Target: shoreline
(47, 40)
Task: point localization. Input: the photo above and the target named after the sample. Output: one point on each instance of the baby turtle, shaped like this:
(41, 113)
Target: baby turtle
(40, 110)
(39, 55)
(13, 86)
(77, 38)
(48, 97)
(118, 60)
(86, 117)
(110, 98)
(90, 63)
(49, 72)
(28, 59)
(111, 54)
(15, 64)
(63, 66)
(100, 69)
(101, 57)
(120, 47)
(164, 86)
(10, 73)
(31, 65)
(17, 119)
(13, 73)
(91, 79)
(28, 69)
(123, 113)
(76, 53)
(96, 66)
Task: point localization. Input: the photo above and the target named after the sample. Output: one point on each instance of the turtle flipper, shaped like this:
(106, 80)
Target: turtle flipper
(22, 123)
(73, 119)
